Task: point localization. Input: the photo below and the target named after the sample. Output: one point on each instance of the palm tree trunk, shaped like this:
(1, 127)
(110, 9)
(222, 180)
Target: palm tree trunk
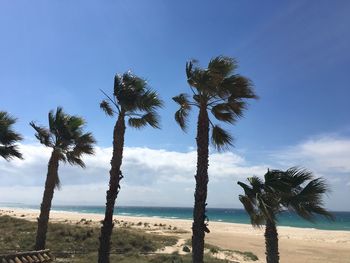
(114, 186)
(271, 242)
(50, 184)
(198, 227)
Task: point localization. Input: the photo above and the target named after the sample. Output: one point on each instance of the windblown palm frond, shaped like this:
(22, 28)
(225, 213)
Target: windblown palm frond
(66, 136)
(220, 91)
(294, 189)
(8, 137)
(221, 139)
(133, 98)
(182, 114)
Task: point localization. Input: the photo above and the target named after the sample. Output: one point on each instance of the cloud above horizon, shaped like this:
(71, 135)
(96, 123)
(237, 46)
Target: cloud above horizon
(162, 177)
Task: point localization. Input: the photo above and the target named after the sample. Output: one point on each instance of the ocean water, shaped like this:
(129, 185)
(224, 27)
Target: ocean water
(342, 219)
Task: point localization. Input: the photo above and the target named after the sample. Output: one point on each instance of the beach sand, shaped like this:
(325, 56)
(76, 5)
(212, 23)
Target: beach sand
(296, 245)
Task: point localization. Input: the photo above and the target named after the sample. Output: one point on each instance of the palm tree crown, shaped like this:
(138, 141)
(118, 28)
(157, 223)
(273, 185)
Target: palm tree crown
(294, 189)
(219, 90)
(8, 137)
(134, 99)
(65, 135)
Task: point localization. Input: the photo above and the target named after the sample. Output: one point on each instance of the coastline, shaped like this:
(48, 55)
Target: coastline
(296, 244)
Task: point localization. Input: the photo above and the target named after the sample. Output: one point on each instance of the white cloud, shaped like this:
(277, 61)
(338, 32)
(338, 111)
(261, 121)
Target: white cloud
(327, 154)
(162, 177)
(154, 176)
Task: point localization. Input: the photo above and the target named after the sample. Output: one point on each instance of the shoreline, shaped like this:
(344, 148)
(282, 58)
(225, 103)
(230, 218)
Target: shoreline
(166, 217)
(296, 244)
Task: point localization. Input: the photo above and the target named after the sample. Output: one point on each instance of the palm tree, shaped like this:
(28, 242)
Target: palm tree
(294, 189)
(8, 137)
(216, 90)
(134, 100)
(68, 141)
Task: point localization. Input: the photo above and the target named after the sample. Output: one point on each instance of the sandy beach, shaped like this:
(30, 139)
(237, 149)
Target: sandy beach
(302, 245)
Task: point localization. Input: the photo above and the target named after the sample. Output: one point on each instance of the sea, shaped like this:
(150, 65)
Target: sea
(229, 215)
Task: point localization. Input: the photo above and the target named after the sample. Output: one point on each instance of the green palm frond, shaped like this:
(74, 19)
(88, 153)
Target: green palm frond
(43, 135)
(237, 87)
(74, 159)
(8, 137)
(148, 101)
(223, 112)
(133, 98)
(218, 89)
(9, 152)
(285, 190)
(249, 204)
(247, 189)
(256, 183)
(298, 176)
(151, 118)
(275, 182)
(222, 65)
(183, 101)
(181, 118)
(106, 107)
(182, 114)
(220, 138)
(65, 135)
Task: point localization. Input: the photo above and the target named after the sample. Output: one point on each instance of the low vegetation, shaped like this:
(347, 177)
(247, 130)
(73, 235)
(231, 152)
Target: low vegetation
(214, 250)
(78, 243)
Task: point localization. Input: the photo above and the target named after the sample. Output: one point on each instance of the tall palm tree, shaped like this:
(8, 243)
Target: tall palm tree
(221, 92)
(68, 141)
(8, 137)
(134, 100)
(294, 189)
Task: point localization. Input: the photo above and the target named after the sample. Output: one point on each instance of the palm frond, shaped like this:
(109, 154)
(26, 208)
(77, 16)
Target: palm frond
(66, 136)
(256, 218)
(8, 137)
(75, 124)
(237, 87)
(74, 160)
(84, 144)
(256, 183)
(249, 192)
(106, 107)
(148, 101)
(220, 138)
(222, 112)
(183, 101)
(151, 118)
(9, 152)
(221, 66)
(297, 176)
(43, 135)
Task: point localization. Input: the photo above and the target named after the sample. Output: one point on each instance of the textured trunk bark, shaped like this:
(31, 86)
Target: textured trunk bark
(114, 186)
(43, 220)
(271, 242)
(199, 227)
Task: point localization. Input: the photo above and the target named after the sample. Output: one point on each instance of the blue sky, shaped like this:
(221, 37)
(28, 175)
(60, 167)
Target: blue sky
(60, 53)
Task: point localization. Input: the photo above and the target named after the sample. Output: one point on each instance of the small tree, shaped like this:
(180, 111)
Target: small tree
(294, 189)
(8, 137)
(134, 100)
(68, 142)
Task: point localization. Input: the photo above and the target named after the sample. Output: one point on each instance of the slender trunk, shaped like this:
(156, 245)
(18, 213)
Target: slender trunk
(199, 227)
(43, 220)
(114, 186)
(271, 242)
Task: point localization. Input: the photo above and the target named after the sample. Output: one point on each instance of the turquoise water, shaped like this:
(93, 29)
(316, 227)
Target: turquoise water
(342, 219)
